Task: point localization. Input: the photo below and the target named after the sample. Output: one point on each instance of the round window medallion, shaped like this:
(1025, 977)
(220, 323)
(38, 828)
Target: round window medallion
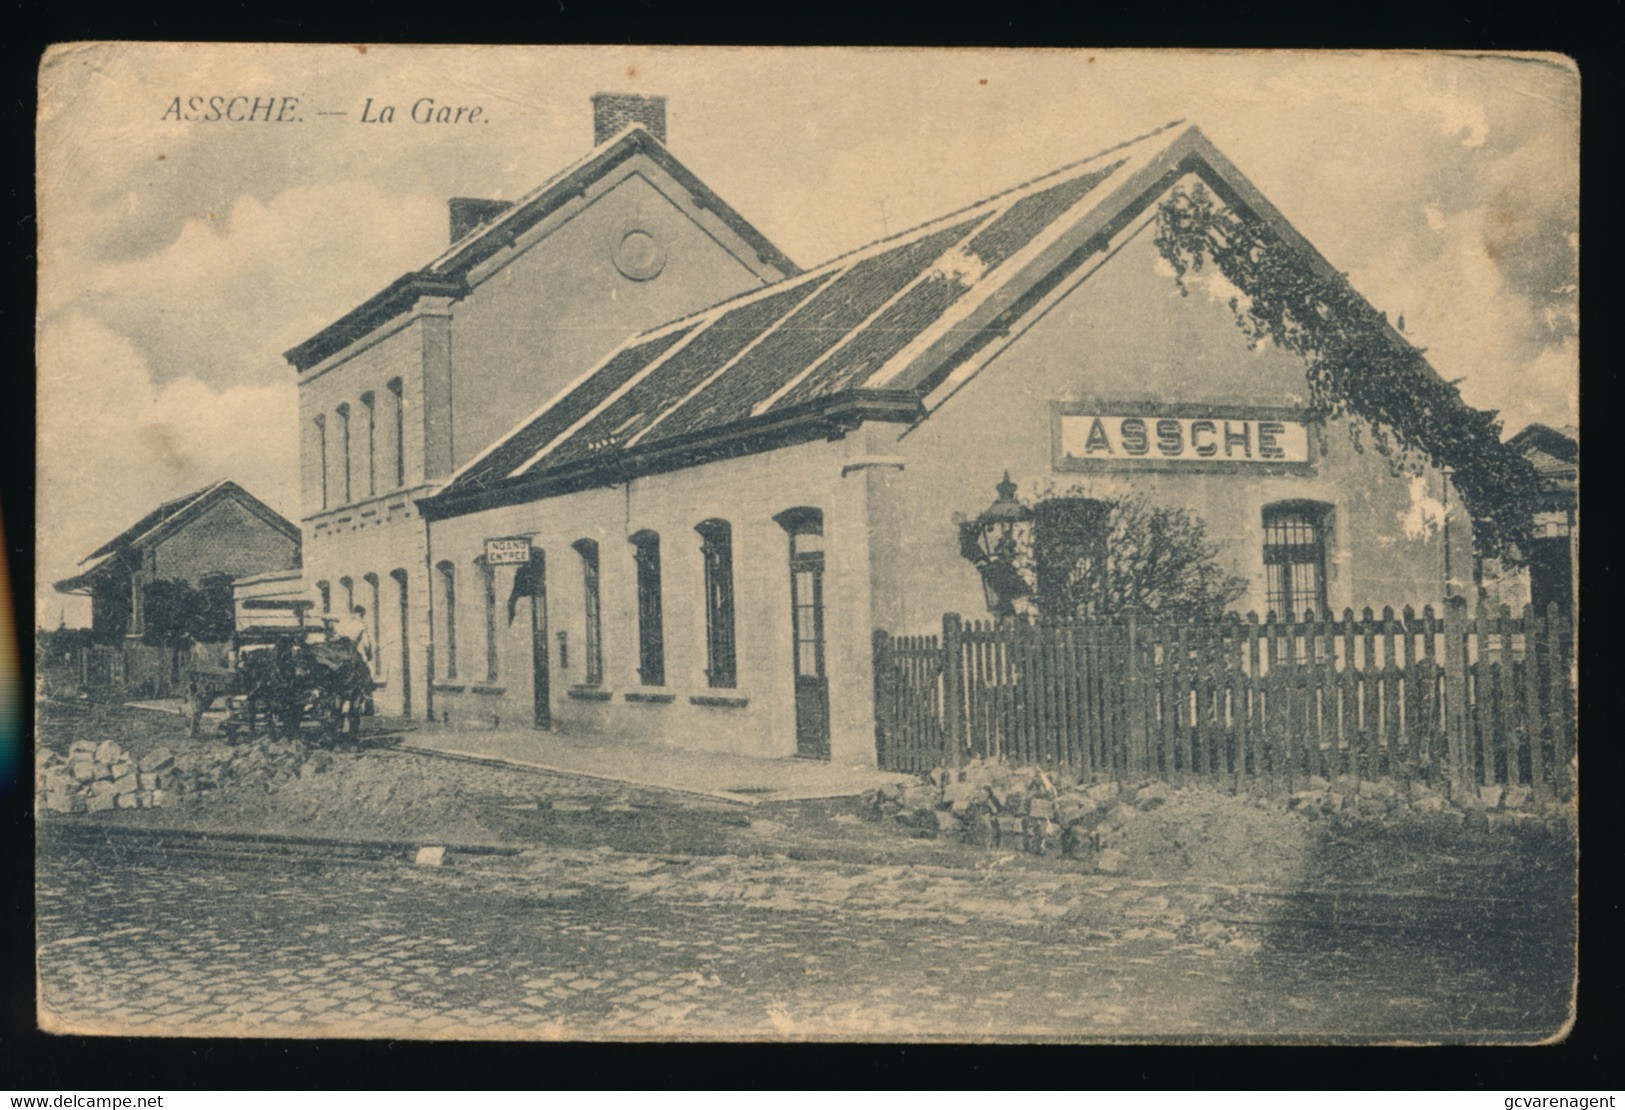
(640, 256)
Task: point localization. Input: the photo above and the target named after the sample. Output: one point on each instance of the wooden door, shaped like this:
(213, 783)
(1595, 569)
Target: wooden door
(535, 573)
(807, 630)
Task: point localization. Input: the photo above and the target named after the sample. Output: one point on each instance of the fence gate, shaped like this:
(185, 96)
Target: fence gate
(909, 734)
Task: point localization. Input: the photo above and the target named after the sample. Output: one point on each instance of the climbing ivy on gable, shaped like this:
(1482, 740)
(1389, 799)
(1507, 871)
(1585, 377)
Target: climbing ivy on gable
(1357, 366)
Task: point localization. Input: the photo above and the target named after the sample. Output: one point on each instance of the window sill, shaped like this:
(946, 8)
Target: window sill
(448, 687)
(481, 688)
(649, 697)
(589, 693)
(720, 701)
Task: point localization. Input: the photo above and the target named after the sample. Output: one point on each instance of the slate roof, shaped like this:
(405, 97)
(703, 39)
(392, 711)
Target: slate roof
(447, 275)
(166, 519)
(1555, 455)
(875, 334)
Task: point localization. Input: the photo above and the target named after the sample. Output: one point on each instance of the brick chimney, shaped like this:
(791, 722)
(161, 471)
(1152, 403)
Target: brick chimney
(468, 213)
(613, 111)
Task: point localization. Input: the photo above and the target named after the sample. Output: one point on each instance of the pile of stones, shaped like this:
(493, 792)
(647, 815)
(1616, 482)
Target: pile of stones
(1027, 809)
(94, 777)
(264, 762)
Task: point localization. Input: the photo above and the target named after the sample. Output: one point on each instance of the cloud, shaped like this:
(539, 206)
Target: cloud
(113, 443)
(237, 287)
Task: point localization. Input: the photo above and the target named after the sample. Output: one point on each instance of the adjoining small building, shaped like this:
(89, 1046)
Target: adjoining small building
(215, 535)
(694, 542)
(1547, 576)
(221, 530)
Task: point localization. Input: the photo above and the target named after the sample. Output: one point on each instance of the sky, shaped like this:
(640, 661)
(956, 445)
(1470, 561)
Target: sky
(179, 259)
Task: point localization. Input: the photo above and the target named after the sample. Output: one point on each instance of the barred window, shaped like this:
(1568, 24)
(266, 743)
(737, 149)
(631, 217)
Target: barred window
(716, 546)
(1295, 557)
(651, 632)
(592, 608)
(448, 606)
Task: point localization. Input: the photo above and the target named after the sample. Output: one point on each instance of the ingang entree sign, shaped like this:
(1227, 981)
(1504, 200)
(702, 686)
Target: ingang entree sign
(507, 551)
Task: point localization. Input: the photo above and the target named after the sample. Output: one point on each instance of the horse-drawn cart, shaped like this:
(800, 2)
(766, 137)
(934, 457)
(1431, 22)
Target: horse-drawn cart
(281, 677)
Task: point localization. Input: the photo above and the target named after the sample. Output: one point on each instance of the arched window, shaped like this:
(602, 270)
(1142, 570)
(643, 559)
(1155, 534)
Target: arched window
(448, 607)
(325, 591)
(592, 609)
(1295, 556)
(488, 587)
(398, 404)
(321, 454)
(651, 631)
(344, 449)
(374, 623)
(347, 584)
(716, 547)
(369, 402)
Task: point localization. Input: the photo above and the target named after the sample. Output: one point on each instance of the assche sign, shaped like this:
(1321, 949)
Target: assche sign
(1107, 437)
(507, 552)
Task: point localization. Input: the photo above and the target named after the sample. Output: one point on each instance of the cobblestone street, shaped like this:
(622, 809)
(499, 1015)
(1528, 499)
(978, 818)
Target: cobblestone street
(608, 944)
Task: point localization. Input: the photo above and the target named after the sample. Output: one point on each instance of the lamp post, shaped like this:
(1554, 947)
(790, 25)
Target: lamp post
(996, 547)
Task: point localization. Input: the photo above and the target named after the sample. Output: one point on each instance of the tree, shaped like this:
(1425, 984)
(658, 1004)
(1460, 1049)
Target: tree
(176, 613)
(1357, 366)
(1081, 556)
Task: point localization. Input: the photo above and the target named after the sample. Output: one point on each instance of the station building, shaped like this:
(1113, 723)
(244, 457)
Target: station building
(399, 392)
(693, 541)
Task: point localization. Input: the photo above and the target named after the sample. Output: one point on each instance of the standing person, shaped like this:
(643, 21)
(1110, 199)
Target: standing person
(353, 627)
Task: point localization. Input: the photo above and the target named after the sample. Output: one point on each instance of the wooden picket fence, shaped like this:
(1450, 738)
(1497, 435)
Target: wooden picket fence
(1455, 700)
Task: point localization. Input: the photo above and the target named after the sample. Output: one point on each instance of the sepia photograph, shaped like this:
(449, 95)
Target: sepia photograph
(806, 544)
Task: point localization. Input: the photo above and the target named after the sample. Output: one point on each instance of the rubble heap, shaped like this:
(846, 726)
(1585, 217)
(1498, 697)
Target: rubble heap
(93, 777)
(1153, 827)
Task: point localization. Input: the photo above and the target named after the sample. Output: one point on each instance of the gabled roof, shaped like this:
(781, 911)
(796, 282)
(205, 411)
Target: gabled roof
(868, 335)
(1555, 455)
(167, 519)
(447, 275)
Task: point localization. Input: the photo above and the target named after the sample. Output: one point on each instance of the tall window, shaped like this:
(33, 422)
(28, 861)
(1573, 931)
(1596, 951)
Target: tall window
(348, 585)
(398, 404)
(488, 585)
(326, 593)
(651, 633)
(369, 402)
(321, 454)
(448, 606)
(344, 448)
(1295, 556)
(374, 625)
(591, 608)
(716, 546)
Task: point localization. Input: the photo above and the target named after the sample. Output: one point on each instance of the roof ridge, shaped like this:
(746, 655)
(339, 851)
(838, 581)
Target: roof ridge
(159, 514)
(917, 231)
(1030, 182)
(519, 203)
